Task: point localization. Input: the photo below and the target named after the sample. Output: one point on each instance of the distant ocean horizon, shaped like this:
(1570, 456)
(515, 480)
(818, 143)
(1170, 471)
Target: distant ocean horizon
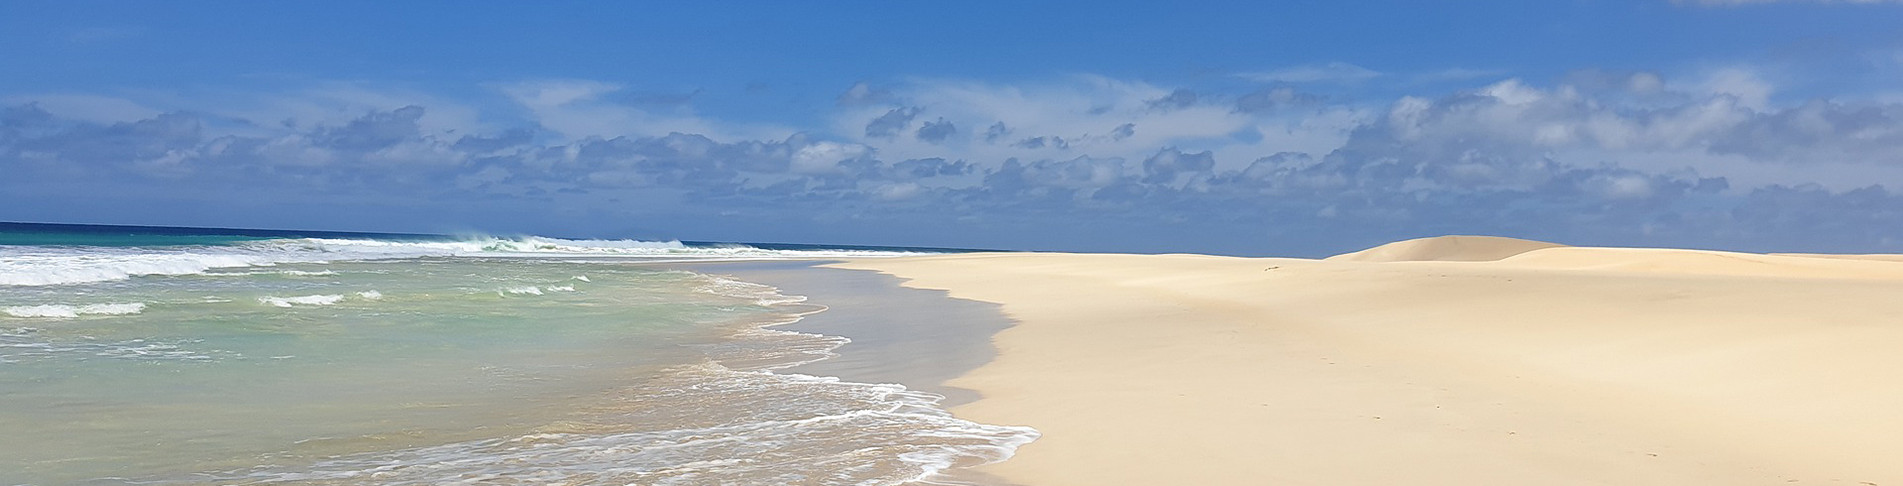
(174, 355)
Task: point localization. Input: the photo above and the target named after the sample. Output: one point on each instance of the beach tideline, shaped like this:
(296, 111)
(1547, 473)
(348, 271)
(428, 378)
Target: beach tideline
(1453, 360)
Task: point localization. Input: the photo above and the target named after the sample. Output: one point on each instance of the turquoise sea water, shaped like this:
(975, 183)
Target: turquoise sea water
(178, 356)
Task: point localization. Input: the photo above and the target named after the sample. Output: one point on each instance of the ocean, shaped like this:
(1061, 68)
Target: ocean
(141, 355)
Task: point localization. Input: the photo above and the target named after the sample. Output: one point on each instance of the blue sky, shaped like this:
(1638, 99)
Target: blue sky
(1278, 128)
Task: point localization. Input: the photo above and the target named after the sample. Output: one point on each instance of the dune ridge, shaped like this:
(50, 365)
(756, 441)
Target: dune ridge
(1708, 262)
(1453, 248)
(1531, 254)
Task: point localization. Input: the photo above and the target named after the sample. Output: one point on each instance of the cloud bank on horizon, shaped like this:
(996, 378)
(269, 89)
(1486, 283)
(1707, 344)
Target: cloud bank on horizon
(1786, 153)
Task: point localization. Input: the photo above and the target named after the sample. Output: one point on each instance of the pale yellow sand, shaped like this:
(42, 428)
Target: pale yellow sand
(1552, 365)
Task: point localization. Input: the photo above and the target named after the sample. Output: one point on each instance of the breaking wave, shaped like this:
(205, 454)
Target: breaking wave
(69, 311)
(522, 290)
(56, 265)
(734, 419)
(304, 300)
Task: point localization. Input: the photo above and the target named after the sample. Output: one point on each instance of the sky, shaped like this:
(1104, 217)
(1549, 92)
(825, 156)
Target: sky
(1294, 128)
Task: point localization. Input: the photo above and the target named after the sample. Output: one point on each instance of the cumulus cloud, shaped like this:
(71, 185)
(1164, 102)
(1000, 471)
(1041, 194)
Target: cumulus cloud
(1600, 157)
(937, 131)
(996, 131)
(1819, 130)
(891, 123)
(1067, 117)
(1053, 141)
(374, 131)
(825, 157)
(1747, 87)
(1181, 98)
(1170, 165)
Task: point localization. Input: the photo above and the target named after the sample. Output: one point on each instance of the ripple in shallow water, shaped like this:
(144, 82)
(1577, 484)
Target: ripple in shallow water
(25, 344)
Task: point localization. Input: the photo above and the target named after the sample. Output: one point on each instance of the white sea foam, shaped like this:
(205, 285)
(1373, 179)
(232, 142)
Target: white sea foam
(301, 273)
(729, 420)
(724, 422)
(761, 295)
(70, 311)
(542, 246)
(53, 267)
(787, 429)
(28, 344)
(533, 290)
(583, 278)
(520, 290)
(290, 273)
(303, 300)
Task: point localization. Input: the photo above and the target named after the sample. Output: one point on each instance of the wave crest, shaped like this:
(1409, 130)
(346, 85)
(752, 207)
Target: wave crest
(304, 300)
(69, 311)
(45, 265)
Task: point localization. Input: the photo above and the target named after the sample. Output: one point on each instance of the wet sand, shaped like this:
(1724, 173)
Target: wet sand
(915, 337)
(919, 338)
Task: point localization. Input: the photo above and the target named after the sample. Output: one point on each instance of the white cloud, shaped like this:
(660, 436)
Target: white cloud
(579, 109)
(1723, 124)
(575, 109)
(556, 93)
(1645, 83)
(896, 192)
(1618, 148)
(1091, 115)
(1512, 92)
(336, 103)
(257, 113)
(1746, 85)
(824, 157)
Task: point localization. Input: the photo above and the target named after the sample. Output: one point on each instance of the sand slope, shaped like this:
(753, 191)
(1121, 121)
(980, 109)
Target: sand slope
(1556, 365)
(1885, 258)
(1446, 249)
(1702, 262)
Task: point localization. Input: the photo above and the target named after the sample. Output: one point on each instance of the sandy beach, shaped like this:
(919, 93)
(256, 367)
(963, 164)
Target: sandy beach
(1453, 360)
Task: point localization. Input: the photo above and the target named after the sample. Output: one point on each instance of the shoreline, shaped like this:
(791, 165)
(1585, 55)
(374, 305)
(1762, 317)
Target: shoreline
(1561, 366)
(920, 339)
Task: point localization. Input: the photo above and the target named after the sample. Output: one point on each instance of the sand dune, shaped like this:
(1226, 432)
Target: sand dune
(1702, 262)
(1446, 249)
(1879, 257)
(1551, 365)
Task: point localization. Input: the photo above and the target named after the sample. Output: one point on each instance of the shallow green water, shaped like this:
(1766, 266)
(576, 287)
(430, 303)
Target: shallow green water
(493, 361)
(222, 368)
(214, 359)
